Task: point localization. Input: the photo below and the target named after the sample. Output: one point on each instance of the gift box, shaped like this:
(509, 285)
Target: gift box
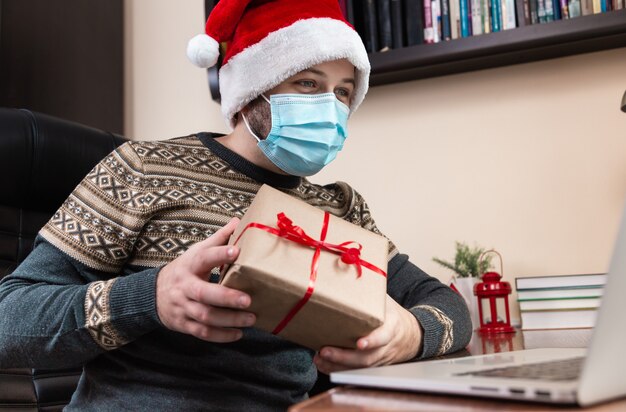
(314, 279)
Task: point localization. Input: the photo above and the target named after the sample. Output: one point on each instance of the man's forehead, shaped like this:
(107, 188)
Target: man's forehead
(347, 73)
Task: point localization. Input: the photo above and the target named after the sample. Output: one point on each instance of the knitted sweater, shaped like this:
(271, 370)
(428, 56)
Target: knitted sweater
(86, 294)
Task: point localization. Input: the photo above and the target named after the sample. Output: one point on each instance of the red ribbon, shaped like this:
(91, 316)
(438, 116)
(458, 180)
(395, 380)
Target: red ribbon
(287, 230)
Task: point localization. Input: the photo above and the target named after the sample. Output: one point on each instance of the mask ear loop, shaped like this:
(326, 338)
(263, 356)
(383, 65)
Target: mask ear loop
(245, 121)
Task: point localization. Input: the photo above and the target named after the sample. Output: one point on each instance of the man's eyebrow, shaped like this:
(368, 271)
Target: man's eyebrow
(322, 74)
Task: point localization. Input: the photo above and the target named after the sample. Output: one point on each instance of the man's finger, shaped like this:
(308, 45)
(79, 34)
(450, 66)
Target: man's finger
(216, 295)
(215, 316)
(378, 337)
(349, 357)
(206, 259)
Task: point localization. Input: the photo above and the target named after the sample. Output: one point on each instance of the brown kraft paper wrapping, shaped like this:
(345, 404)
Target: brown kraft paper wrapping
(275, 272)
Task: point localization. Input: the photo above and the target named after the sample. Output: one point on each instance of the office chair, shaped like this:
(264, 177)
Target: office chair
(42, 159)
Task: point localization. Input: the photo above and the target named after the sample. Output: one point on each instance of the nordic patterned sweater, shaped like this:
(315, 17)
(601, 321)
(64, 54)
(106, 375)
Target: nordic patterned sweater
(86, 294)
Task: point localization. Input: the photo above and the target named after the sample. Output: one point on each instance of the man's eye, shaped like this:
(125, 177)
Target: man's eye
(342, 92)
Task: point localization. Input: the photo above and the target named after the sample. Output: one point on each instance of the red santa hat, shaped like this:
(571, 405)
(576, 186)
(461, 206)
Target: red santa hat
(268, 41)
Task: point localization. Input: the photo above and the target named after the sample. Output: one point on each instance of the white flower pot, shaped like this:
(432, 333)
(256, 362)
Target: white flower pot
(465, 286)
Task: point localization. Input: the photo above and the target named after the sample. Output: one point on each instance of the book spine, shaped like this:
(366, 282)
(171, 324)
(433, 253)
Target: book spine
(556, 6)
(436, 18)
(350, 11)
(370, 26)
(603, 6)
(619, 5)
(586, 7)
(510, 14)
(385, 40)
(496, 15)
(414, 22)
(534, 15)
(446, 33)
(549, 10)
(429, 35)
(477, 21)
(465, 23)
(485, 15)
(597, 7)
(455, 19)
(574, 8)
(564, 7)
(397, 27)
(541, 11)
(522, 13)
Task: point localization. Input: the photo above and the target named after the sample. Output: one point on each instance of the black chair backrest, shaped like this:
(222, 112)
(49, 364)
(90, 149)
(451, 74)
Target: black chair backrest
(42, 159)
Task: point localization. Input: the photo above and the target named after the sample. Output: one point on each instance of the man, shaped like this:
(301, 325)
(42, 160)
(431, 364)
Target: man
(122, 279)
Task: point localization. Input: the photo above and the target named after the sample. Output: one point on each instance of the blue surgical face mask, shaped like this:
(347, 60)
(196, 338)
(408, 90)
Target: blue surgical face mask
(307, 132)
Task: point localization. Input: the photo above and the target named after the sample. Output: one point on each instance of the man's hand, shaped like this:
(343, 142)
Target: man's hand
(188, 303)
(397, 340)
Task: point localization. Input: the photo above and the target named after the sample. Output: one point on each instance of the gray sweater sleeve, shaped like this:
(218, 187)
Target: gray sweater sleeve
(441, 312)
(44, 304)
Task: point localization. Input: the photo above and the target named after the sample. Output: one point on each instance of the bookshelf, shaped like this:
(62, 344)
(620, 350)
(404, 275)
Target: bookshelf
(520, 45)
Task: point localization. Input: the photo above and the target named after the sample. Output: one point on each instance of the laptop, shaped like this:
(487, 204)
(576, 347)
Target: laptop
(582, 376)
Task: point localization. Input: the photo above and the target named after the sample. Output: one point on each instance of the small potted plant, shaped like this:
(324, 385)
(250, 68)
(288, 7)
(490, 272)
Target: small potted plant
(468, 267)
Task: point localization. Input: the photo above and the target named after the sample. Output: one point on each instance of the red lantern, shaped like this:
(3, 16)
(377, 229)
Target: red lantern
(493, 297)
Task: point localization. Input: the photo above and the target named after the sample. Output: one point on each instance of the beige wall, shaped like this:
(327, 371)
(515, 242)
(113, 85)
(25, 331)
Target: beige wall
(527, 159)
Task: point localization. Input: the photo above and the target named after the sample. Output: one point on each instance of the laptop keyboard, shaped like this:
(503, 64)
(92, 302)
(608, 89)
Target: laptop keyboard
(561, 370)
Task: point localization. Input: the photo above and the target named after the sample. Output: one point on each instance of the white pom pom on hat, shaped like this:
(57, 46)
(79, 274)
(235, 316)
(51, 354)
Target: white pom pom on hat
(203, 51)
(268, 41)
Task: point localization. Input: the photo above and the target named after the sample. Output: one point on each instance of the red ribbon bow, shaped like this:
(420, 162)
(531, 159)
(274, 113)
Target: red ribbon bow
(287, 230)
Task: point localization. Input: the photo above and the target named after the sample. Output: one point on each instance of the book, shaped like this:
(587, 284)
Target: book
(586, 7)
(496, 15)
(597, 6)
(370, 26)
(564, 9)
(446, 33)
(350, 11)
(429, 34)
(522, 12)
(385, 40)
(563, 293)
(476, 17)
(397, 24)
(485, 11)
(414, 22)
(556, 7)
(560, 281)
(455, 19)
(534, 16)
(436, 18)
(574, 8)
(549, 8)
(559, 319)
(508, 22)
(541, 11)
(549, 304)
(558, 338)
(464, 16)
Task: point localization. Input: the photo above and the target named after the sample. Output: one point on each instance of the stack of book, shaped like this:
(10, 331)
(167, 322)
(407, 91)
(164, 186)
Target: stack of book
(393, 24)
(559, 302)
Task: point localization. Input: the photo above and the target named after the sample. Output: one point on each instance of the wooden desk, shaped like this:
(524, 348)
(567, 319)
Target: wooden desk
(349, 398)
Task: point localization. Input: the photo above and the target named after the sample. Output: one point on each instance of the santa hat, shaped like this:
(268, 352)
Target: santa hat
(268, 41)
